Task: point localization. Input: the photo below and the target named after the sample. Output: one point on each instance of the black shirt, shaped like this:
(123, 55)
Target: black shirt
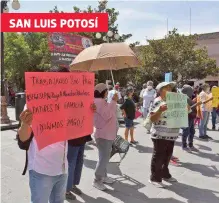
(80, 141)
(129, 107)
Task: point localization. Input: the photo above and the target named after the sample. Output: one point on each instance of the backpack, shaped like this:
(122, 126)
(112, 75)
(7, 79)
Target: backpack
(25, 146)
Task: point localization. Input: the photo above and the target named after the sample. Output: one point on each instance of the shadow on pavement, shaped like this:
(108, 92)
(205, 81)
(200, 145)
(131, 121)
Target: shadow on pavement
(89, 199)
(143, 149)
(208, 171)
(203, 147)
(194, 194)
(212, 157)
(112, 168)
(126, 190)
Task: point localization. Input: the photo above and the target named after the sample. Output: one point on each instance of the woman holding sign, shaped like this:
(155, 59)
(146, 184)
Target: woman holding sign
(163, 138)
(105, 122)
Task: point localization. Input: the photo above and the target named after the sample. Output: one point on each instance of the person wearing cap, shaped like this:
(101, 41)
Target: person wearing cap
(105, 122)
(163, 137)
(148, 98)
(128, 111)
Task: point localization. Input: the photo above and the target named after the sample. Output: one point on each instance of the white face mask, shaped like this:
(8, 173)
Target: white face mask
(150, 87)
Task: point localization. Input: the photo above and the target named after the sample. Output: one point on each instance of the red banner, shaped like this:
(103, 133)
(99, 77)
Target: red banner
(54, 22)
(64, 47)
(61, 105)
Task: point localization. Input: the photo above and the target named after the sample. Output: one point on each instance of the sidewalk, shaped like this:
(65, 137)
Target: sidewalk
(198, 174)
(14, 124)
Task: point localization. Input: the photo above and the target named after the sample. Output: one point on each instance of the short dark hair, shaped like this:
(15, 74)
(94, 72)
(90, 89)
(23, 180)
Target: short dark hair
(97, 94)
(129, 90)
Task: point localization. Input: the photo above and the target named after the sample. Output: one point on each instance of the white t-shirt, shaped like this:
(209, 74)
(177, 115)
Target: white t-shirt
(148, 97)
(49, 160)
(111, 94)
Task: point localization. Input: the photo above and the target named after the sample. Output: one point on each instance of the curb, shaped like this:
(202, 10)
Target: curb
(10, 126)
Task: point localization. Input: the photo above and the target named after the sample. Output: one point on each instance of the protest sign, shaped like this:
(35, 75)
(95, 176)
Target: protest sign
(215, 94)
(60, 103)
(177, 112)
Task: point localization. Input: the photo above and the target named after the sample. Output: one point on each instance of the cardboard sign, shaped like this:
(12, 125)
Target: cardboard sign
(61, 105)
(168, 77)
(215, 94)
(177, 112)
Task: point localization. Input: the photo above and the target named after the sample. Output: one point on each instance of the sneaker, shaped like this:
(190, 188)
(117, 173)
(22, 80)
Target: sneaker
(70, 196)
(99, 185)
(186, 149)
(134, 142)
(193, 149)
(108, 180)
(76, 190)
(210, 138)
(174, 162)
(171, 180)
(175, 158)
(203, 138)
(157, 184)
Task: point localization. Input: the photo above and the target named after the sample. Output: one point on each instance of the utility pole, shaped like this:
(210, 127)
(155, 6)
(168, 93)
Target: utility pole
(167, 27)
(190, 21)
(4, 114)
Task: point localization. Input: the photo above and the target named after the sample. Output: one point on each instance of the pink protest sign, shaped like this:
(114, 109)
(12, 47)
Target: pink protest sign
(60, 103)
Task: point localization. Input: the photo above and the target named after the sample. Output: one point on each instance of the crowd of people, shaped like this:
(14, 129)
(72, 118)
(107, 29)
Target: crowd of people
(55, 171)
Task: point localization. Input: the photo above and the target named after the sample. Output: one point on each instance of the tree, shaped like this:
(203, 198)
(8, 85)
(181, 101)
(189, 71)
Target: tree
(177, 54)
(25, 52)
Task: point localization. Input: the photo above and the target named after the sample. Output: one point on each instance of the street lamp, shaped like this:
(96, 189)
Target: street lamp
(107, 38)
(15, 5)
(4, 114)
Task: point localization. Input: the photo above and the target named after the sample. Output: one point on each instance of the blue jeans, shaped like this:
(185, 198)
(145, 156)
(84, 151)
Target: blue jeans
(75, 164)
(214, 117)
(203, 124)
(188, 133)
(46, 188)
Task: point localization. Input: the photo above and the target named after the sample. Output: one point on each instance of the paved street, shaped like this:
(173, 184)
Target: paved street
(198, 175)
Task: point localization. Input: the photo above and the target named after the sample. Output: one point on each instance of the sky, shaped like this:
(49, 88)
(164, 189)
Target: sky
(146, 19)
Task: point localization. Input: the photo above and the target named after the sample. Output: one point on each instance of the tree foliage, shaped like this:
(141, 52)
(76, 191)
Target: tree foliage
(177, 54)
(25, 52)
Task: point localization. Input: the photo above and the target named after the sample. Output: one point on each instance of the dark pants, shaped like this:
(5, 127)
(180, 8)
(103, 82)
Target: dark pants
(75, 165)
(162, 153)
(188, 133)
(214, 117)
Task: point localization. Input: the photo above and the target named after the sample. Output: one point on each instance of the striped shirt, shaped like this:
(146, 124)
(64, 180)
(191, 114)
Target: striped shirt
(159, 128)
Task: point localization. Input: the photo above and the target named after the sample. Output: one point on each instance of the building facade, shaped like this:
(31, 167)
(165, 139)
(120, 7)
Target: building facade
(211, 42)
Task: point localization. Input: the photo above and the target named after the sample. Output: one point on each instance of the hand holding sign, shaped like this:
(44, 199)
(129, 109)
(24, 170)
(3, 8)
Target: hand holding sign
(163, 108)
(115, 97)
(26, 117)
